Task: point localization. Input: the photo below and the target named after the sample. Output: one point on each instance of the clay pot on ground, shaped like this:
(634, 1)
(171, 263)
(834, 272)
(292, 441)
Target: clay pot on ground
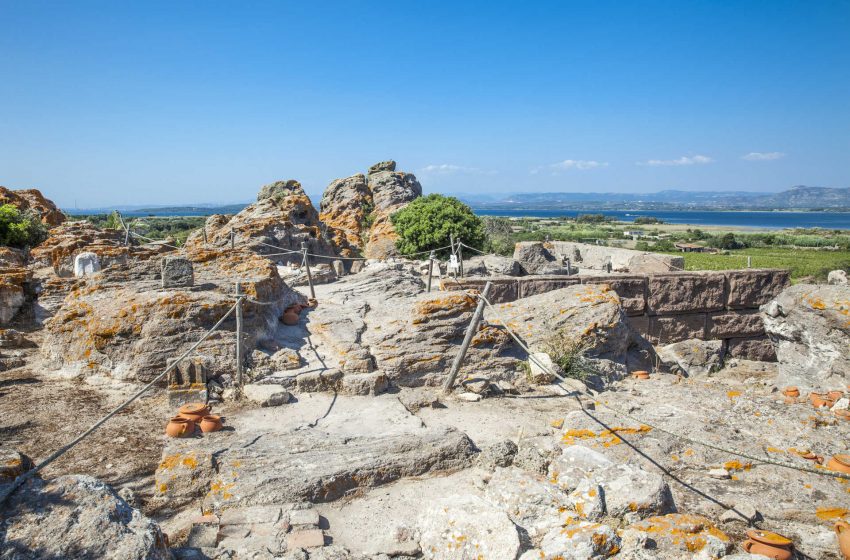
(211, 423)
(819, 399)
(290, 318)
(179, 427)
(835, 395)
(640, 374)
(842, 414)
(792, 392)
(313, 303)
(809, 456)
(839, 463)
(842, 529)
(194, 411)
(772, 545)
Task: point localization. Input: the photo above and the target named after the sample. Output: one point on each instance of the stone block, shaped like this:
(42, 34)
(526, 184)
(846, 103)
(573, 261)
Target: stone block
(177, 272)
(685, 293)
(533, 285)
(373, 383)
(734, 324)
(187, 382)
(304, 518)
(319, 381)
(307, 538)
(203, 536)
(631, 289)
(675, 328)
(251, 515)
(640, 324)
(758, 348)
(502, 290)
(266, 395)
(752, 288)
(86, 264)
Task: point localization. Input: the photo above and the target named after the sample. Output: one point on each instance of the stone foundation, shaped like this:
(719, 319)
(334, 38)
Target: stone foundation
(671, 306)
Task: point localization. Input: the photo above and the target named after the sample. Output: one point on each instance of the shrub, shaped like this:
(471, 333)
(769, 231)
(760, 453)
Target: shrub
(20, 229)
(427, 223)
(646, 220)
(568, 353)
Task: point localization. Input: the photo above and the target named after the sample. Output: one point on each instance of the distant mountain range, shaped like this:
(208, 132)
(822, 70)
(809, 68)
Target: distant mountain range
(795, 198)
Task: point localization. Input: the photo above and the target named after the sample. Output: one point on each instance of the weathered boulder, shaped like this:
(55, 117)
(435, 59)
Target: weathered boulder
(533, 503)
(16, 285)
(582, 540)
(122, 326)
(462, 527)
(810, 328)
(391, 191)
(345, 208)
(693, 357)
(177, 272)
(534, 257)
(837, 278)
(85, 264)
(76, 517)
(491, 265)
(579, 319)
(31, 200)
(282, 218)
(680, 535)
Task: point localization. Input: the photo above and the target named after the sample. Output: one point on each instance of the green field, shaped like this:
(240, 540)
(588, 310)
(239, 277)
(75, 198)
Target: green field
(803, 263)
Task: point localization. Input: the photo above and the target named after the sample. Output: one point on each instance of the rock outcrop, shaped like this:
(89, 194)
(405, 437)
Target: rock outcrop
(16, 286)
(535, 257)
(121, 324)
(357, 209)
(282, 218)
(76, 517)
(31, 200)
(809, 326)
(72, 238)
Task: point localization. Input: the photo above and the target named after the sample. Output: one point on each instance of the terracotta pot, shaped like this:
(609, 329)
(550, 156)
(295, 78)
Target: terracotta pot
(312, 302)
(842, 413)
(772, 545)
(179, 427)
(809, 456)
(211, 423)
(792, 391)
(842, 529)
(835, 395)
(640, 374)
(193, 411)
(839, 463)
(290, 318)
(818, 399)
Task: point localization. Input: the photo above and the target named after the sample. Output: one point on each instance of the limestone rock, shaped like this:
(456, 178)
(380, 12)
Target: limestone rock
(345, 208)
(534, 503)
(76, 517)
(542, 367)
(85, 264)
(373, 383)
(388, 165)
(580, 541)
(837, 278)
(266, 395)
(177, 272)
(535, 258)
(691, 536)
(810, 332)
(282, 218)
(391, 191)
(693, 357)
(464, 527)
(31, 200)
(499, 454)
(12, 465)
(491, 265)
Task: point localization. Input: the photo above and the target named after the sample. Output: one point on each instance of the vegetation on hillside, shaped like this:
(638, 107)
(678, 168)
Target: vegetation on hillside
(154, 227)
(20, 229)
(428, 222)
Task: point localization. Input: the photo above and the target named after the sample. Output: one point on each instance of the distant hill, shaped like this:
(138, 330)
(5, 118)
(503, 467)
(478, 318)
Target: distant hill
(796, 198)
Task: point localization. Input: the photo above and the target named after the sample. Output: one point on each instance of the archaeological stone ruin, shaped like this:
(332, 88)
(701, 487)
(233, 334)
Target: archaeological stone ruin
(285, 386)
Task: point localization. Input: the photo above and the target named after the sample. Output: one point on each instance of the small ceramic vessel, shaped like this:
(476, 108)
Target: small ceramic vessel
(290, 318)
(842, 530)
(839, 463)
(313, 302)
(640, 374)
(834, 395)
(211, 423)
(771, 545)
(792, 392)
(844, 414)
(194, 411)
(179, 427)
(818, 399)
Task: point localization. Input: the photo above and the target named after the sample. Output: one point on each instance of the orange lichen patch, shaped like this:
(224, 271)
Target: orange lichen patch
(733, 394)
(606, 438)
(689, 532)
(828, 514)
(490, 335)
(737, 466)
(454, 303)
(557, 423)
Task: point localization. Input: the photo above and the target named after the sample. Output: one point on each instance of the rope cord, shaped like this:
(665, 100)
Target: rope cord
(157, 241)
(766, 460)
(67, 447)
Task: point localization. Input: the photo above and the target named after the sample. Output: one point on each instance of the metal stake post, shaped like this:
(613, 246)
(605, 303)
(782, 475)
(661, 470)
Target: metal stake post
(126, 229)
(239, 299)
(569, 267)
(307, 266)
(232, 239)
(430, 270)
(470, 332)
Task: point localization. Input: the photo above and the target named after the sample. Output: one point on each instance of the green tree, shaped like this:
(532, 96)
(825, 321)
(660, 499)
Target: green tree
(499, 235)
(20, 229)
(427, 222)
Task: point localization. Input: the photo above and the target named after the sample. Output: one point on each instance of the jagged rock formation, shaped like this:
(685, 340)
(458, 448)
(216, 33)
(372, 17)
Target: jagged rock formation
(32, 200)
(121, 324)
(359, 208)
(72, 238)
(283, 217)
(76, 517)
(535, 257)
(809, 326)
(16, 286)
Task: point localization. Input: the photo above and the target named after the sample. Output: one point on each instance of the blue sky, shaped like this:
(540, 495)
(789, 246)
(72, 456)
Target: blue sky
(113, 103)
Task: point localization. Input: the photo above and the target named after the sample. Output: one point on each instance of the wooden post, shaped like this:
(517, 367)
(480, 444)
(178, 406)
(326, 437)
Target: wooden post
(126, 229)
(239, 300)
(470, 332)
(307, 266)
(430, 269)
(569, 267)
(205, 234)
(232, 239)
(460, 257)
(749, 261)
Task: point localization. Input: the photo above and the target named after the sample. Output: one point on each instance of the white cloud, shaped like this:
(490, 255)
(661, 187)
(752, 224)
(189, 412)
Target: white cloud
(763, 156)
(684, 160)
(567, 164)
(451, 169)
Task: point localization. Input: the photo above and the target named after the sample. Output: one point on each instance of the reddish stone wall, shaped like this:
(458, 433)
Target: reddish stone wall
(672, 306)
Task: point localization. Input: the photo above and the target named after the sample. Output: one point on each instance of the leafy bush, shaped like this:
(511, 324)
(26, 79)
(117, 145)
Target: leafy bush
(20, 229)
(568, 353)
(593, 219)
(427, 223)
(499, 235)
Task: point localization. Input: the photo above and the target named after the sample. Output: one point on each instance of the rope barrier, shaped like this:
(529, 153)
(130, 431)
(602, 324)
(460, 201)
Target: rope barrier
(157, 241)
(765, 460)
(19, 481)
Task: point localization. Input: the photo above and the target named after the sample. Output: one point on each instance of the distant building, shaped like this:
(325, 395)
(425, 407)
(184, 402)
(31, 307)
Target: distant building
(633, 233)
(692, 248)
